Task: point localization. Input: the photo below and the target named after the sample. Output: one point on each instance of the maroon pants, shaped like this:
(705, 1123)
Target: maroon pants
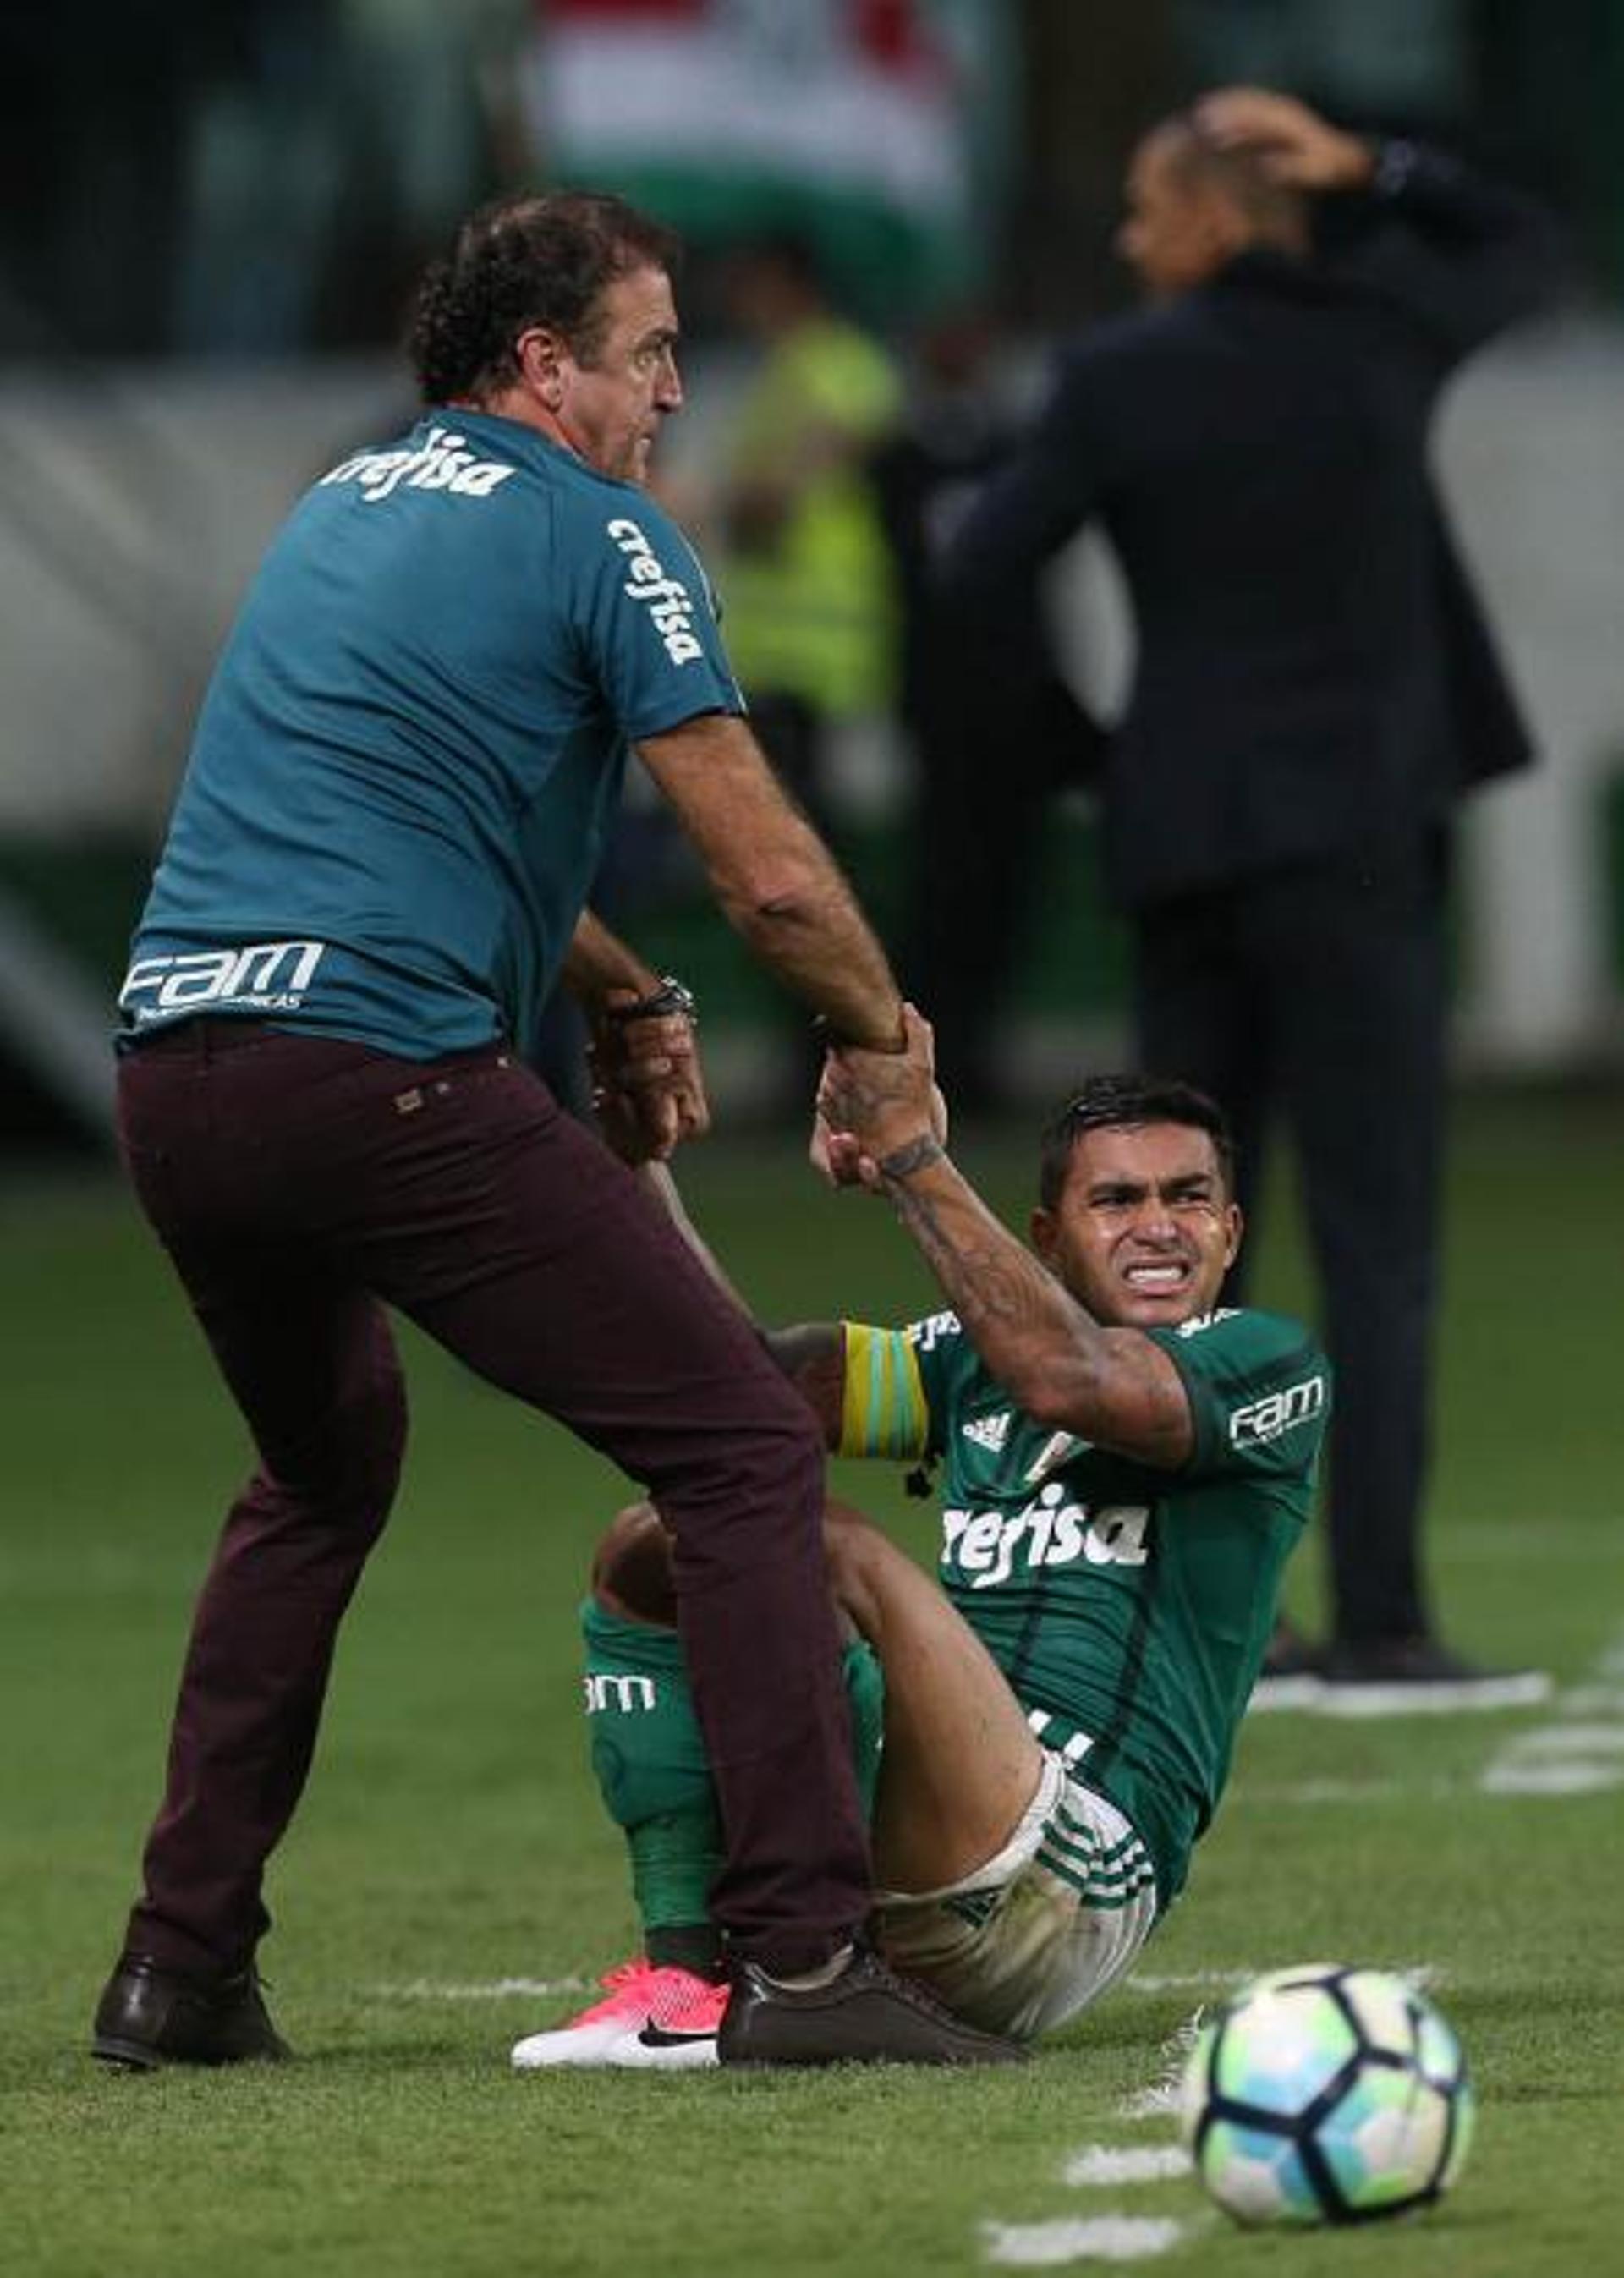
(298, 1181)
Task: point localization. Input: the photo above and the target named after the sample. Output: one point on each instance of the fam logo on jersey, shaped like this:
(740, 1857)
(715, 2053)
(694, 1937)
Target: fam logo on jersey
(928, 1333)
(1279, 1412)
(984, 1547)
(668, 598)
(988, 1432)
(1197, 1322)
(605, 1690)
(262, 976)
(443, 464)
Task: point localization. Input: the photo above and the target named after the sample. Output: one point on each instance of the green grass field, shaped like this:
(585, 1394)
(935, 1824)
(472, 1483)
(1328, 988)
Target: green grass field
(450, 1843)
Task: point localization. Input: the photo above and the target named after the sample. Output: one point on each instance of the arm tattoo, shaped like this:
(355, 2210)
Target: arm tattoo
(913, 1155)
(985, 1284)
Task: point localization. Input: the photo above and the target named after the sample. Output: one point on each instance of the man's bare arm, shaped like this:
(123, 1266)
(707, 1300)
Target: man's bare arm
(1115, 1387)
(1061, 1366)
(776, 882)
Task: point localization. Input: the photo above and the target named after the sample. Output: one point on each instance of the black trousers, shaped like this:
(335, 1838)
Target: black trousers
(1315, 997)
(300, 1184)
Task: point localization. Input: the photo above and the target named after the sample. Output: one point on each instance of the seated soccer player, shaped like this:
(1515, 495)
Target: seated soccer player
(1124, 1471)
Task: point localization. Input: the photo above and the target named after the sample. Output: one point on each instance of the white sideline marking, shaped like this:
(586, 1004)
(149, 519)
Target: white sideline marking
(1579, 1751)
(498, 1989)
(1591, 1700)
(1102, 2238)
(1107, 2164)
(1552, 1779)
(1567, 1740)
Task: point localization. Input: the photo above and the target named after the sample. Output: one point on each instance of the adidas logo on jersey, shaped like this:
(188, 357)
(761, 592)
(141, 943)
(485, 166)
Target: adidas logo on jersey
(989, 1432)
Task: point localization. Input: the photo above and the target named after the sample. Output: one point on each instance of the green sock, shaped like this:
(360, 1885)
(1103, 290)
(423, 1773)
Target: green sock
(649, 1758)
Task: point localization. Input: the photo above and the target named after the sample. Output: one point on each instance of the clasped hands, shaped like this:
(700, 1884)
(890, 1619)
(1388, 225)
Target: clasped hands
(873, 1106)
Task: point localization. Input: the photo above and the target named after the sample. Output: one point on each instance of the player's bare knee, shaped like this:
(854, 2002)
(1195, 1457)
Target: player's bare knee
(631, 1567)
(853, 1550)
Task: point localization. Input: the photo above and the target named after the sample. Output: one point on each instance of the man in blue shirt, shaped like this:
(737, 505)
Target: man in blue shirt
(376, 870)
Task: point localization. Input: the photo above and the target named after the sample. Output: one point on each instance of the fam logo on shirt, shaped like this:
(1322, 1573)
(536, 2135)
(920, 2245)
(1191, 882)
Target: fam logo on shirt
(669, 606)
(1277, 1413)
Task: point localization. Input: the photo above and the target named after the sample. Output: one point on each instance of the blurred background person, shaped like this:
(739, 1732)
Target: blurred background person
(963, 691)
(1316, 686)
(804, 572)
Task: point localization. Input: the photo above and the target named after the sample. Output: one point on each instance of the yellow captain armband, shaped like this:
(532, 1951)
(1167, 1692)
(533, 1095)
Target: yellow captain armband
(883, 1411)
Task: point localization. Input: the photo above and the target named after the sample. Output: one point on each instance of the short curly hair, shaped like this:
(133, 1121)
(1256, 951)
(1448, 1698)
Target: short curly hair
(521, 262)
(1126, 1103)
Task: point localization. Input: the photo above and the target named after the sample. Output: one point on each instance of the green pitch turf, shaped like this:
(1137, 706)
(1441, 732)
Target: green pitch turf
(450, 1844)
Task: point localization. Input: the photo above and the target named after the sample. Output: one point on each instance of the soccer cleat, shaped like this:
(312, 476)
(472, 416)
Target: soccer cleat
(653, 2017)
(149, 2015)
(867, 2014)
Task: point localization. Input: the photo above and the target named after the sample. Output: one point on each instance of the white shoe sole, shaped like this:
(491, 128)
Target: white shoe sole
(618, 2048)
(1330, 1696)
(538, 2052)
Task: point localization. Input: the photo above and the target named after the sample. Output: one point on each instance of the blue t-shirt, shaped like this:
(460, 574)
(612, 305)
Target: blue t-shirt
(414, 740)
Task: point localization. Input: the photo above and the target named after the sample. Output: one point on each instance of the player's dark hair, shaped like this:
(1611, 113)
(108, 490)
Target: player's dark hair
(1126, 1103)
(522, 261)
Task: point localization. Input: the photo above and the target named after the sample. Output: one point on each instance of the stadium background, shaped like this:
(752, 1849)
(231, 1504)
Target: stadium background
(209, 212)
(210, 215)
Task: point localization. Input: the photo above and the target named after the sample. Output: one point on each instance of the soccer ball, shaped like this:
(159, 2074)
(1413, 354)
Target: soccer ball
(1324, 2094)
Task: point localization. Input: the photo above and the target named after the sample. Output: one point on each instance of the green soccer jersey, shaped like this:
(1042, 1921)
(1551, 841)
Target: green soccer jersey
(1128, 1606)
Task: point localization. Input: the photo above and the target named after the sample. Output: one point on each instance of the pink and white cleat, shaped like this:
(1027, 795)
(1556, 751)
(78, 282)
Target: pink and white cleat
(651, 2016)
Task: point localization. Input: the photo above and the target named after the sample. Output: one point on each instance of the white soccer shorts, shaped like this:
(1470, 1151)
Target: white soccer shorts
(1039, 1931)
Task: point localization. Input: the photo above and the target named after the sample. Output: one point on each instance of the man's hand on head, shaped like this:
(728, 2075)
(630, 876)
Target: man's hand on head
(1294, 144)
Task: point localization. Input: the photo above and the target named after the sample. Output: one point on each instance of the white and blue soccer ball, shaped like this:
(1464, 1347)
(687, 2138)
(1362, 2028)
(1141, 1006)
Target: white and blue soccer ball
(1324, 2094)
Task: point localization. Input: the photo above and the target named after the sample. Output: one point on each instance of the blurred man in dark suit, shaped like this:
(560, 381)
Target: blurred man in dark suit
(1316, 685)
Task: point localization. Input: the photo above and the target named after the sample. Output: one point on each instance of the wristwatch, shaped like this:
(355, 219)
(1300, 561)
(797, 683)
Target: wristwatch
(670, 996)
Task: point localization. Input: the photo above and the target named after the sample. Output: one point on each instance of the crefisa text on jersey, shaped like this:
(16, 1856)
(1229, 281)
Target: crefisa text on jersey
(444, 462)
(647, 580)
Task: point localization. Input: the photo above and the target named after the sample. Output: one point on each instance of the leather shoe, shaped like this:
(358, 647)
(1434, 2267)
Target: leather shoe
(866, 2014)
(150, 2016)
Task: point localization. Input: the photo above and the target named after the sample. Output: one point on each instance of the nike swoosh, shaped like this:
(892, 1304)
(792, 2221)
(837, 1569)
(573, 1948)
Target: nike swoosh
(656, 2036)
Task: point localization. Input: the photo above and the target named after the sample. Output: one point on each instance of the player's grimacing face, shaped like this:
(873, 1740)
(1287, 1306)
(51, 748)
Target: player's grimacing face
(612, 408)
(1144, 1230)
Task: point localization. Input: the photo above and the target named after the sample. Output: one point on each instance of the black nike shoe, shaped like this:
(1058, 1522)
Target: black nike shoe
(866, 2014)
(149, 2015)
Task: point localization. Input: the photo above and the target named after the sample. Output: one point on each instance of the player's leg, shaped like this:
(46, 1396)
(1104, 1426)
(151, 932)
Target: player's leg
(312, 1367)
(649, 1755)
(649, 1759)
(1358, 961)
(555, 1275)
(1019, 1897)
(960, 1764)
